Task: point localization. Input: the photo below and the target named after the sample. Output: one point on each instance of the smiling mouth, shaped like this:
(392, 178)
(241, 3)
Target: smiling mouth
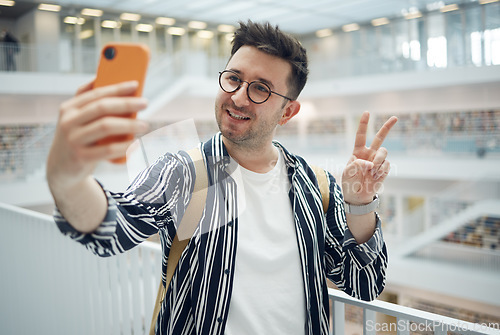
(237, 117)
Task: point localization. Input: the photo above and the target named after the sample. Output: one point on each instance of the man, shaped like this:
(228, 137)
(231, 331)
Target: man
(11, 47)
(258, 262)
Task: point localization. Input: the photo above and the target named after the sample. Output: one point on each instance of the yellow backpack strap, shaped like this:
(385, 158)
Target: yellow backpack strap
(324, 187)
(186, 228)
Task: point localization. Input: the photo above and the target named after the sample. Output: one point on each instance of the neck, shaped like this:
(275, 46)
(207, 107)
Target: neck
(260, 160)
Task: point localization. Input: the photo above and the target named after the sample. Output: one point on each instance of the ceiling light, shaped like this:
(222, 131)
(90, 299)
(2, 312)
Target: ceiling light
(380, 21)
(91, 12)
(350, 27)
(7, 3)
(484, 2)
(110, 24)
(145, 28)
(448, 8)
(86, 34)
(324, 33)
(413, 15)
(70, 20)
(197, 25)
(130, 17)
(74, 20)
(229, 37)
(166, 21)
(207, 34)
(49, 7)
(176, 31)
(226, 28)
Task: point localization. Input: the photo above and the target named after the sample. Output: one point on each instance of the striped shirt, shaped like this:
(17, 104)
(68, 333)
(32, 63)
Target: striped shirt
(198, 297)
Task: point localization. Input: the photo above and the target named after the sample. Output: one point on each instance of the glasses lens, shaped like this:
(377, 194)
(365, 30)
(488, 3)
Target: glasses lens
(229, 81)
(258, 92)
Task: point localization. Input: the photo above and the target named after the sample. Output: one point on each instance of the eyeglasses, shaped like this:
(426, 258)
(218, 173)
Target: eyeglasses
(258, 92)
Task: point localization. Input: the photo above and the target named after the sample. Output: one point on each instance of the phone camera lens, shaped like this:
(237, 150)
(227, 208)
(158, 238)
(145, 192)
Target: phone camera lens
(109, 53)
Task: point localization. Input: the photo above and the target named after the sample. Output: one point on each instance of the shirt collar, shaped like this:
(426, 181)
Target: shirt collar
(217, 154)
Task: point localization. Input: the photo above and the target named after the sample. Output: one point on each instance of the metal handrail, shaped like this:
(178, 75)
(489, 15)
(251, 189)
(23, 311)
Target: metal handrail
(408, 319)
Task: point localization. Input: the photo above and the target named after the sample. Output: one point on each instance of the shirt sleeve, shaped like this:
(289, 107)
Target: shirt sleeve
(357, 269)
(151, 203)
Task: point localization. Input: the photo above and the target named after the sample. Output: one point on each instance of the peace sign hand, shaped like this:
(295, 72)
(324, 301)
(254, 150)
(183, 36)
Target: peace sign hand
(367, 168)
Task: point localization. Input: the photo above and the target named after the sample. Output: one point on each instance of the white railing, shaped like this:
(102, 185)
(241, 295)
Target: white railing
(52, 285)
(55, 58)
(460, 196)
(61, 58)
(453, 222)
(67, 58)
(408, 320)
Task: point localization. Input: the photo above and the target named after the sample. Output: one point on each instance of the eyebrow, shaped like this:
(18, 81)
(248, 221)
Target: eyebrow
(262, 80)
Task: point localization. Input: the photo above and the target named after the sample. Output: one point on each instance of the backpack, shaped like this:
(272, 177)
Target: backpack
(192, 216)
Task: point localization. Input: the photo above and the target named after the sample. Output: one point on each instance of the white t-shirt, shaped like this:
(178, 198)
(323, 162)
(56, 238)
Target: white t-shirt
(268, 294)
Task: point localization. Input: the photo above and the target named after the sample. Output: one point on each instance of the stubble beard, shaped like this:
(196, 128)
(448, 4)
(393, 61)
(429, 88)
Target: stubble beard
(251, 139)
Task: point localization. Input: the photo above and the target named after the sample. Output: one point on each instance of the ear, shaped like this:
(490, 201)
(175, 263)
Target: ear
(289, 111)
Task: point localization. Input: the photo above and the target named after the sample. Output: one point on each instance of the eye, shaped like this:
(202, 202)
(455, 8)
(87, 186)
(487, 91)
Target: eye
(234, 78)
(262, 88)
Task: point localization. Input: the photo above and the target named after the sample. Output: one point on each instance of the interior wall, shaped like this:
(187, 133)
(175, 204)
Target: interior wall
(10, 25)
(25, 27)
(47, 32)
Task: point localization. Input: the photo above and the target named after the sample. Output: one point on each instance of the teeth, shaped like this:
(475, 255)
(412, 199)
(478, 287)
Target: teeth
(238, 117)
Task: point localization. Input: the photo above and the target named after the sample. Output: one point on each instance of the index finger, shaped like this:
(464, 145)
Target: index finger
(86, 87)
(382, 133)
(89, 94)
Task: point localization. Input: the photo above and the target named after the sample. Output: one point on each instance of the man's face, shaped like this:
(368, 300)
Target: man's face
(240, 120)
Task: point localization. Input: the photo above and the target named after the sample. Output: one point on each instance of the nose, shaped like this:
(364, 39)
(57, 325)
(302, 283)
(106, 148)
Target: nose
(240, 97)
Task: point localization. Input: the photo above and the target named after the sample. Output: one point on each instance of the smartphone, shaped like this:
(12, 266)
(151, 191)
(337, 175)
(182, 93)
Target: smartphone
(121, 62)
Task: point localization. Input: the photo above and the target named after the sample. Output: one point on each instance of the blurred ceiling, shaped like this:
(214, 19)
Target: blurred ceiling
(294, 16)
(19, 9)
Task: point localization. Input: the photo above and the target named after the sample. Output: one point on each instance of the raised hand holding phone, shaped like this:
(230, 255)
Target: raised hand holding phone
(86, 134)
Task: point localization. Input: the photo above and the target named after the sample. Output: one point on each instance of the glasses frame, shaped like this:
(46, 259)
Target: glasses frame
(248, 86)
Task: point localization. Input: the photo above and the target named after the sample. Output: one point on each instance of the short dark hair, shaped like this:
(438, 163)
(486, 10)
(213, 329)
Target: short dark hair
(273, 41)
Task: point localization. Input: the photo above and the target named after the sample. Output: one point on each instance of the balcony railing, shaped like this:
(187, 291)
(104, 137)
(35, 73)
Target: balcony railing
(407, 320)
(60, 58)
(52, 285)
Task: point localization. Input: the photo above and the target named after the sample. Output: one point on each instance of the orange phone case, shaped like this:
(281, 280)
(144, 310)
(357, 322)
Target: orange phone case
(122, 62)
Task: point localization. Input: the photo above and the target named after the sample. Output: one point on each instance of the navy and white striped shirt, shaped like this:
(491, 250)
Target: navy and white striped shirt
(197, 300)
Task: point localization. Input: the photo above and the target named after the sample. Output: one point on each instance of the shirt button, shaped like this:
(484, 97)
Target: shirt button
(219, 319)
(230, 223)
(226, 271)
